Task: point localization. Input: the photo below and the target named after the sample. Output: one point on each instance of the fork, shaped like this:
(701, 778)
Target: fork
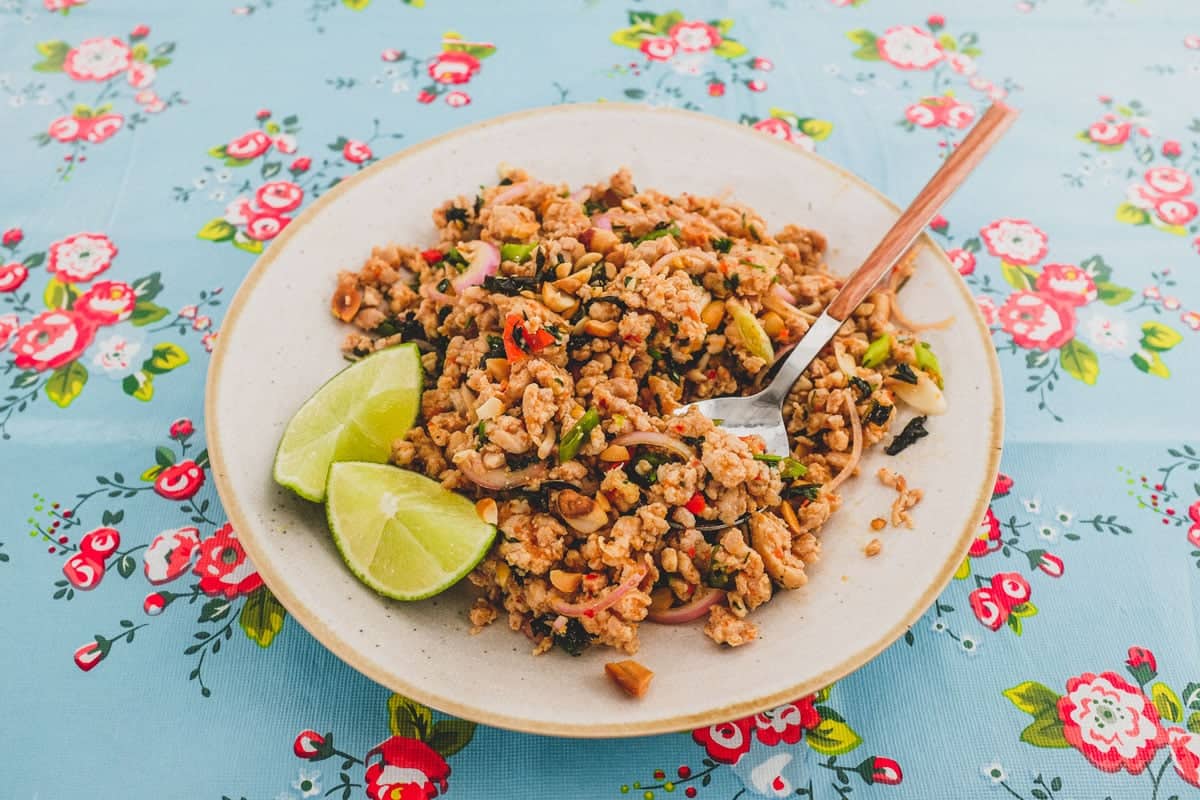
(761, 414)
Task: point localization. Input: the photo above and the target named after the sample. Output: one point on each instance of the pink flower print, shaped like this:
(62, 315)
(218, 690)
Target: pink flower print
(457, 99)
(140, 74)
(1068, 283)
(251, 144)
(909, 47)
(923, 115)
(66, 129)
(658, 48)
(1191, 319)
(987, 310)
(1017, 241)
(779, 128)
(1109, 133)
(279, 197)
(1169, 181)
(81, 257)
(1175, 211)
(1037, 321)
(1110, 722)
(103, 127)
(960, 115)
(97, 59)
(963, 260)
(695, 36)
(356, 152)
(1185, 754)
(8, 326)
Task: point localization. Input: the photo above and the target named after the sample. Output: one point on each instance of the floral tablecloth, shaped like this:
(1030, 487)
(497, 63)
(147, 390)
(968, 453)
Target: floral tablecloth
(151, 150)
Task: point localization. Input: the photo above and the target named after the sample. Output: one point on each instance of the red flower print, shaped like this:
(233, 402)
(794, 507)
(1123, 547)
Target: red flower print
(406, 768)
(1037, 321)
(909, 47)
(251, 144)
(8, 326)
(939, 224)
(1109, 133)
(81, 257)
(1017, 241)
(1172, 149)
(141, 74)
(356, 152)
(960, 115)
(182, 428)
(1169, 181)
(67, 129)
(12, 276)
(308, 745)
(1191, 42)
(179, 481)
(457, 99)
(658, 48)
(1011, 589)
(453, 67)
(51, 339)
(97, 59)
(100, 543)
(886, 771)
(725, 742)
(1185, 754)
(1139, 656)
(264, 227)
(786, 723)
(140, 32)
(1194, 513)
(779, 128)
(61, 5)
(102, 128)
(84, 571)
(694, 36)
(988, 538)
(89, 656)
(279, 196)
(12, 237)
(1052, 565)
(1067, 283)
(756, 85)
(764, 64)
(301, 164)
(1192, 320)
(154, 604)
(716, 89)
(1175, 211)
(963, 260)
(1113, 724)
(223, 567)
(936, 21)
(988, 608)
(391, 54)
(262, 113)
(426, 97)
(170, 554)
(923, 115)
(107, 302)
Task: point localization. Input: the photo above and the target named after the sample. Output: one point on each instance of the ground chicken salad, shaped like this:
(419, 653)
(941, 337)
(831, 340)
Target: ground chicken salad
(560, 332)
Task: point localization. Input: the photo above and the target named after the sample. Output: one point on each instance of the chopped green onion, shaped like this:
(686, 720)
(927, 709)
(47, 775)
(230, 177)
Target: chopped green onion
(660, 230)
(927, 361)
(517, 253)
(572, 440)
(767, 457)
(457, 259)
(792, 469)
(877, 352)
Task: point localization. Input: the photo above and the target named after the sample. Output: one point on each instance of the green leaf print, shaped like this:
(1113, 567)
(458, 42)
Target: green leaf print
(640, 17)
(356, 5)
(1150, 363)
(1079, 361)
(1167, 702)
(833, 737)
(148, 288)
(1018, 276)
(729, 48)
(409, 718)
(145, 312)
(54, 52)
(216, 230)
(1193, 722)
(59, 294)
(66, 383)
(262, 617)
(664, 22)
(868, 49)
(1159, 338)
(451, 735)
(1111, 294)
(1046, 730)
(1097, 267)
(1032, 697)
(816, 129)
(139, 386)
(1132, 215)
(165, 357)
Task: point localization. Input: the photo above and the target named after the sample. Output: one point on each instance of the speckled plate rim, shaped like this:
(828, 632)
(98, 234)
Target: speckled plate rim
(329, 637)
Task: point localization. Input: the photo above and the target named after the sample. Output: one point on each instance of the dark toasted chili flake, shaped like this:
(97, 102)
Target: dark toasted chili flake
(862, 387)
(509, 284)
(443, 284)
(456, 214)
(915, 429)
(904, 373)
(733, 282)
(879, 414)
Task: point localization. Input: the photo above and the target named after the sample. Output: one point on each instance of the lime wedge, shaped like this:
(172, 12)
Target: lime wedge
(401, 533)
(355, 416)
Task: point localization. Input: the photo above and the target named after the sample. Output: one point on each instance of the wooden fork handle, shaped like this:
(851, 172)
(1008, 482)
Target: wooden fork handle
(924, 207)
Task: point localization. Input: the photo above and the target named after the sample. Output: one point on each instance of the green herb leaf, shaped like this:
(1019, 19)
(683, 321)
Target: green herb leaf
(722, 245)
(915, 429)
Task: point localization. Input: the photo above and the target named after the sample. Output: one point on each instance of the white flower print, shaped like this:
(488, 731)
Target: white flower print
(993, 772)
(1048, 532)
(1032, 504)
(1064, 516)
(116, 355)
(308, 783)
(937, 626)
(969, 644)
(1108, 334)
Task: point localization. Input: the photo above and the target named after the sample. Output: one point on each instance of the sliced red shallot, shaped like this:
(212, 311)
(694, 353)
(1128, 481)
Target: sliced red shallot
(514, 192)
(783, 294)
(594, 607)
(656, 439)
(695, 608)
(855, 450)
(500, 479)
(602, 222)
(484, 262)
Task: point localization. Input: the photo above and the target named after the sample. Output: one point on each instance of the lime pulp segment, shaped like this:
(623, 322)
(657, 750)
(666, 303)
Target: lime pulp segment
(401, 533)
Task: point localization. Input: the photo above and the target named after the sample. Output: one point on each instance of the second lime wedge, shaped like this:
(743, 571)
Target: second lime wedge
(401, 533)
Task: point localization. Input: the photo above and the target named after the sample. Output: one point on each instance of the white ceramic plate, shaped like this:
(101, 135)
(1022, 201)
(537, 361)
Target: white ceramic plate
(279, 343)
